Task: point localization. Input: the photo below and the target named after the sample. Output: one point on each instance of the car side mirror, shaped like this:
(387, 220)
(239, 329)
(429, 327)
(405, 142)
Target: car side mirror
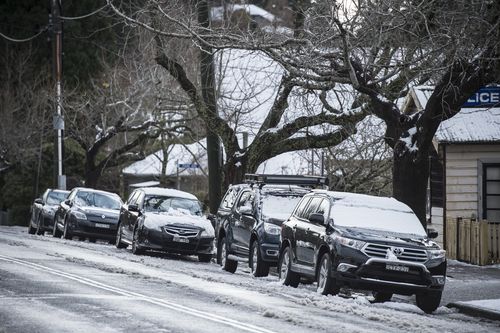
(245, 210)
(432, 233)
(133, 208)
(39, 201)
(317, 218)
(212, 218)
(68, 202)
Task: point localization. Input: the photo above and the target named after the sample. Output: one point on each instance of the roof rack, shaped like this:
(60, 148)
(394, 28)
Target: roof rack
(301, 180)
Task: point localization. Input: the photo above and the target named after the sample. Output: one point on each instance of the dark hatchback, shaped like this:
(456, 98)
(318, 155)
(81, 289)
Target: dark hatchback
(165, 220)
(88, 213)
(43, 210)
(362, 242)
(248, 222)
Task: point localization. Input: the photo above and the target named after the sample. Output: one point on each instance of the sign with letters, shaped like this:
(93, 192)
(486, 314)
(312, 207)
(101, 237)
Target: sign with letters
(487, 96)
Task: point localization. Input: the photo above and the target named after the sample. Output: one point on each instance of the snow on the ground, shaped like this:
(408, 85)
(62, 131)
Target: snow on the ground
(266, 296)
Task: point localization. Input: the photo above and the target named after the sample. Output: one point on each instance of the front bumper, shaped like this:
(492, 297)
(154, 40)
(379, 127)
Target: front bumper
(374, 275)
(269, 253)
(163, 241)
(87, 228)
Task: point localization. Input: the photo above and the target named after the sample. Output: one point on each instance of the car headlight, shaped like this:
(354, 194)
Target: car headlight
(207, 232)
(271, 229)
(436, 254)
(352, 243)
(80, 215)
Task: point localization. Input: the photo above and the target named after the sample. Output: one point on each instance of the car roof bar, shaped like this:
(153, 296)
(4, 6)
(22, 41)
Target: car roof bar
(301, 180)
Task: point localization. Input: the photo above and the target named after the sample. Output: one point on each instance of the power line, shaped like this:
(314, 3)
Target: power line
(15, 40)
(84, 16)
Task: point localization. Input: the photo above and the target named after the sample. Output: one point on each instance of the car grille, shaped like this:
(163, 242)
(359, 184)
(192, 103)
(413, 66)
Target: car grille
(407, 254)
(183, 231)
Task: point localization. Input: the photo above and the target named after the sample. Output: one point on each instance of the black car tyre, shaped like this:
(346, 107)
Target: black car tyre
(119, 244)
(258, 267)
(31, 230)
(429, 301)
(92, 240)
(381, 297)
(67, 231)
(227, 264)
(55, 231)
(286, 276)
(204, 257)
(326, 283)
(39, 228)
(136, 249)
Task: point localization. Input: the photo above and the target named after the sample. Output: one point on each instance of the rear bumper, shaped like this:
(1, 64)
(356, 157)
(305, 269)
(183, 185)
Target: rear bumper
(162, 241)
(374, 275)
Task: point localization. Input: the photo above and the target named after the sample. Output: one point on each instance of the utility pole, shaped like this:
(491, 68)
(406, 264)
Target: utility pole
(56, 29)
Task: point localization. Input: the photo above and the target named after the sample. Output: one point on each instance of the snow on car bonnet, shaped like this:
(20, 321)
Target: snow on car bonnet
(378, 213)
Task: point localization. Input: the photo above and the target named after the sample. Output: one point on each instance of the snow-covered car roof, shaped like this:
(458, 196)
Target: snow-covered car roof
(88, 189)
(168, 192)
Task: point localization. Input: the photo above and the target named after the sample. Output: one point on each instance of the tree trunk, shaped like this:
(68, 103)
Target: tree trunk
(410, 179)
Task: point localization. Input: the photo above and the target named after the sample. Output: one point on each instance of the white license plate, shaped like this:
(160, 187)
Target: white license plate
(397, 268)
(102, 225)
(181, 239)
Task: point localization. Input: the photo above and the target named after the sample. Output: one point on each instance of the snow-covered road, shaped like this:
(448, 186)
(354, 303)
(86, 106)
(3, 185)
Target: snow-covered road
(55, 285)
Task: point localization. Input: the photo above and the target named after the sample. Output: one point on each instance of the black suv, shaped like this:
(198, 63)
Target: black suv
(248, 222)
(362, 242)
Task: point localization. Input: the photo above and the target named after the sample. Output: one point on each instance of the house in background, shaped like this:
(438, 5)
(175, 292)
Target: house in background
(465, 167)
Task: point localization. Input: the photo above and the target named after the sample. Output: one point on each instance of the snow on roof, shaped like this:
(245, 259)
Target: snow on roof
(151, 183)
(365, 200)
(217, 13)
(471, 125)
(168, 192)
(421, 95)
(177, 153)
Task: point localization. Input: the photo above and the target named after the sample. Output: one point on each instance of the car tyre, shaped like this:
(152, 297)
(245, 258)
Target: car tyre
(286, 276)
(67, 231)
(55, 231)
(119, 244)
(31, 230)
(381, 297)
(258, 267)
(39, 228)
(204, 257)
(429, 301)
(222, 257)
(326, 283)
(136, 248)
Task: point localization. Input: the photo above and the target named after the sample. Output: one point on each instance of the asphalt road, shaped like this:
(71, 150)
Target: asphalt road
(54, 285)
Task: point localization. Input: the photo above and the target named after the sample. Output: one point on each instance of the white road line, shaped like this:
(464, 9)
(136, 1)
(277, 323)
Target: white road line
(160, 302)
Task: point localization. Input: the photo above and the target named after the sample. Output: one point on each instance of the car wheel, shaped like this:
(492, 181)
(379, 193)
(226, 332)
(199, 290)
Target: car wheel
(381, 297)
(287, 277)
(227, 264)
(429, 301)
(67, 231)
(55, 231)
(136, 249)
(118, 243)
(39, 228)
(326, 283)
(31, 230)
(92, 240)
(258, 267)
(204, 257)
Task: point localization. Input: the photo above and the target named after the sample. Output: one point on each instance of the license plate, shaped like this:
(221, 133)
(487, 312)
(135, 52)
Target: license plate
(397, 268)
(181, 239)
(102, 225)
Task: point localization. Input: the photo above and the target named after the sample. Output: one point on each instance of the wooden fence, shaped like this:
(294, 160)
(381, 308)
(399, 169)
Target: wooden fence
(475, 242)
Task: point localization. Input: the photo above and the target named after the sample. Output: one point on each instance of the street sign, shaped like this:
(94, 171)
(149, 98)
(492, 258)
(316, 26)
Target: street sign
(487, 96)
(189, 165)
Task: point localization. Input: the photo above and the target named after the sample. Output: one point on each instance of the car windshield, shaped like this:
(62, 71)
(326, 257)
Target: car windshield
(279, 206)
(55, 198)
(387, 214)
(99, 200)
(172, 205)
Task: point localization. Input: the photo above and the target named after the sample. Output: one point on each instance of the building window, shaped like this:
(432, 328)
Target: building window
(491, 192)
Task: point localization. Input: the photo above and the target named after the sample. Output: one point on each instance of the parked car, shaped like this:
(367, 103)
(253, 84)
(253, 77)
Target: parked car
(166, 220)
(362, 242)
(43, 210)
(248, 221)
(88, 213)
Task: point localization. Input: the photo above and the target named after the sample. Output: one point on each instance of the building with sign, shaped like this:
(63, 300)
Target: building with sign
(465, 166)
